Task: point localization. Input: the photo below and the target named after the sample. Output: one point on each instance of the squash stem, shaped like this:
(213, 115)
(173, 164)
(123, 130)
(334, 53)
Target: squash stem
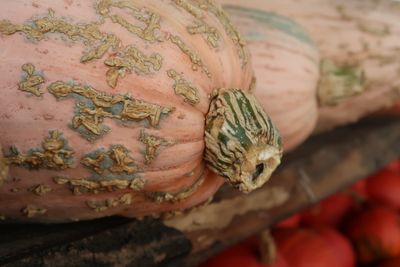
(242, 144)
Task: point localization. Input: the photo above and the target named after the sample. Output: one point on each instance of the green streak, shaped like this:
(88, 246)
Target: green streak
(270, 19)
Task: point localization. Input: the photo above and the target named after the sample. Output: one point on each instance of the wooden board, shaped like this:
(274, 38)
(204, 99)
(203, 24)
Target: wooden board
(325, 164)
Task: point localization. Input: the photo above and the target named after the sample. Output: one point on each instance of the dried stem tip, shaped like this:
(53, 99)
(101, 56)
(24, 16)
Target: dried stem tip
(242, 144)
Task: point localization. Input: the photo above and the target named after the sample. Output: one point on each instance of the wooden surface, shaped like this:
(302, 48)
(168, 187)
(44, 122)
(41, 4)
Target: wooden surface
(325, 164)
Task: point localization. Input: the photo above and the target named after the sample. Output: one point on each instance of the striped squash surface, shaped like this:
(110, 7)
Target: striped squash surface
(286, 64)
(359, 46)
(104, 105)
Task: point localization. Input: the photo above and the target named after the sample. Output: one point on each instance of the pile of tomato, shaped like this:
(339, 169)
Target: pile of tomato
(359, 226)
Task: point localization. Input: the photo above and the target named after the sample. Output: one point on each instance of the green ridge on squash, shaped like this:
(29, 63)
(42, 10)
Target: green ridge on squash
(278, 22)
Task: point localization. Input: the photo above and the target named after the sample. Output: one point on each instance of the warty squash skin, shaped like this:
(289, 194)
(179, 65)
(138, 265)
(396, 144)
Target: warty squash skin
(105, 105)
(286, 65)
(359, 44)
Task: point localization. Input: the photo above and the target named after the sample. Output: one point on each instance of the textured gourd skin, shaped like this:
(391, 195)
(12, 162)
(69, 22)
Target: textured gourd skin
(52, 83)
(286, 64)
(362, 35)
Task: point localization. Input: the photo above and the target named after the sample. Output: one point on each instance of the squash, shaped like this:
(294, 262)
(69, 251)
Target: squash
(286, 65)
(359, 46)
(125, 107)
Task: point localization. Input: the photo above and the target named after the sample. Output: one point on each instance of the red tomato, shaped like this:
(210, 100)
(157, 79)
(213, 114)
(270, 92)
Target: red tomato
(394, 166)
(330, 211)
(375, 233)
(384, 187)
(359, 190)
(340, 245)
(395, 262)
(292, 221)
(245, 254)
(306, 248)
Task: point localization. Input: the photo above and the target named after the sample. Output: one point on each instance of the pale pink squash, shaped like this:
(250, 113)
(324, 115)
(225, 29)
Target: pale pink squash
(359, 45)
(107, 107)
(286, 65)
